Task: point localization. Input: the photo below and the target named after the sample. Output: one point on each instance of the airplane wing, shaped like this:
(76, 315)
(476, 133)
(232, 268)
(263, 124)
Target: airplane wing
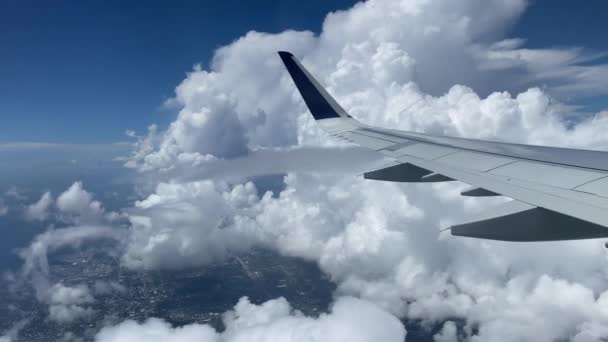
(558, 193)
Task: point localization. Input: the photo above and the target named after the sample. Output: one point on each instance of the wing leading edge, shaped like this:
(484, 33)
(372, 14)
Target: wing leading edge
(558, 193)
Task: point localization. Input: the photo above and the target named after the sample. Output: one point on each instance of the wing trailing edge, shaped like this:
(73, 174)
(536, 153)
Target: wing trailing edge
(478, 192)
(405, 172)
(519, 221)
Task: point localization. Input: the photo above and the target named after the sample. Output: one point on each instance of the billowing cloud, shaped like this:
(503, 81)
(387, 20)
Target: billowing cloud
(546, 310)
(67, 303)
(15, 193)
(13, 333)
(39, 211)
(79, 202)
(376, 243)
(75, 205)
(3, 208)
(349, 320)
(35, 255)
(101, 287)
(398, 71)
(448, 333)
(192, 224)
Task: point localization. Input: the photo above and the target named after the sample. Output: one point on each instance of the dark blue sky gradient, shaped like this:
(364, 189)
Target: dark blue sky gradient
(76, 71)
(84, 71)
(559, 23)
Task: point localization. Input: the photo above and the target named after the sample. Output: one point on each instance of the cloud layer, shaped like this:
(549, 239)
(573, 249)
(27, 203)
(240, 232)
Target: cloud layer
(439, 67)
(349, 320)
(433, 66)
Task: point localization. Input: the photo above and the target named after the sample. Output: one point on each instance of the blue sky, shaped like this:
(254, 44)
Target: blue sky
(84, 72)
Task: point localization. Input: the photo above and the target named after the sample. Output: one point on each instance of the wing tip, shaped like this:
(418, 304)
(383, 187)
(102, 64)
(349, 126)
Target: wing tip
(319, 102)
(285, 54)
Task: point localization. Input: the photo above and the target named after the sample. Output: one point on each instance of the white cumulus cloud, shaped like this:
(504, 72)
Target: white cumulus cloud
(77, 201)
(67, 303)
(350, 320)
(448, 333)
(39, 211)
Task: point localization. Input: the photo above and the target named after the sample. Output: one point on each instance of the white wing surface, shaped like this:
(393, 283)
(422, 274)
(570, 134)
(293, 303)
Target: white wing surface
(558, 193)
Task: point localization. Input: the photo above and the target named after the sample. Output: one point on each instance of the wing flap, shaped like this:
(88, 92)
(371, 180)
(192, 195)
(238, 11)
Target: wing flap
(478, 192)
(435, 177)
(587, 208)
(398, 173)
(518, 221)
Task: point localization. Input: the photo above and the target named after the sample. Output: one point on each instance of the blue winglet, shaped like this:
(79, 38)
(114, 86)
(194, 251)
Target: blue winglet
(319, 102)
